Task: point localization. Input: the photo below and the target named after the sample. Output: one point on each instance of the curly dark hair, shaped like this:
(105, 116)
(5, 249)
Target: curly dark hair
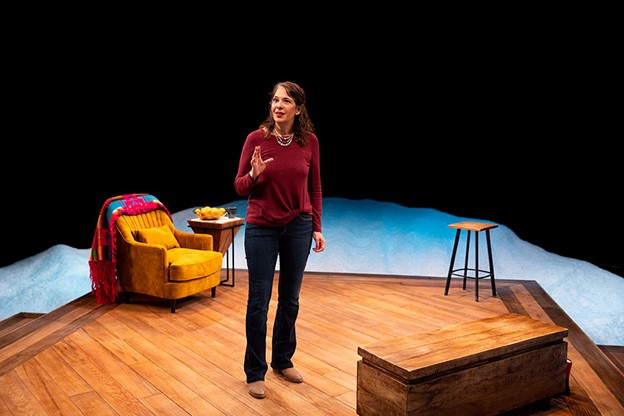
(302, 125)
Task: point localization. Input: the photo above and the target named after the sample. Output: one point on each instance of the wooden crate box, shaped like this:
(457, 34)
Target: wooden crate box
(482, 367)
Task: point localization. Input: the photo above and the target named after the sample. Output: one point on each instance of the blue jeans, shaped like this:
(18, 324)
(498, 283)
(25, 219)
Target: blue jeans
(263, 245)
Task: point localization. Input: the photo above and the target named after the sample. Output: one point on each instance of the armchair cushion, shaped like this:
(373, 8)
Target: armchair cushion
(158, 235)
(187, 264)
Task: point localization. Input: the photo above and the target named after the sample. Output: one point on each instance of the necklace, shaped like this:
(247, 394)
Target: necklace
(284, 140)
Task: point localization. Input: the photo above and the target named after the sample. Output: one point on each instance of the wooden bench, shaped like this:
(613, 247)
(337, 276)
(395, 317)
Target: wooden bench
(482, 367)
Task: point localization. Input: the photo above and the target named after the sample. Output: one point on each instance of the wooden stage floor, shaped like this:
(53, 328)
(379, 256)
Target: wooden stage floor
(140, 359)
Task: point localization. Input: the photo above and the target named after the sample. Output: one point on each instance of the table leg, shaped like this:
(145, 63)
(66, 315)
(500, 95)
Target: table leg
(227, 264)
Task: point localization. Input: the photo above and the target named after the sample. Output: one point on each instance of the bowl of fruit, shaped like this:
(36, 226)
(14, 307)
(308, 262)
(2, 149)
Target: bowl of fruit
(209, 213)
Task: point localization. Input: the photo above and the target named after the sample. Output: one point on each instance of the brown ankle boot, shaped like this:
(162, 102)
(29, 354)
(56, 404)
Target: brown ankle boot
(257, 389)
(290, 374)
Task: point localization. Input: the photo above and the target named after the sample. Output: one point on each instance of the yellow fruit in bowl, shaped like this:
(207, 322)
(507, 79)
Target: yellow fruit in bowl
(209, 213)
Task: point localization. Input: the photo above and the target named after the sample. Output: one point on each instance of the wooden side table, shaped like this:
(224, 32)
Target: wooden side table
(223, 231)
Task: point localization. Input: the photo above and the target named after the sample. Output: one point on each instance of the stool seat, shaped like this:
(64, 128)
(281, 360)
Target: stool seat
(472, 272)
(473, 226)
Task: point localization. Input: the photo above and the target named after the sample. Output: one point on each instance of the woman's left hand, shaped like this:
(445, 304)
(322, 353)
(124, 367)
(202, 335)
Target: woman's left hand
(319, 242)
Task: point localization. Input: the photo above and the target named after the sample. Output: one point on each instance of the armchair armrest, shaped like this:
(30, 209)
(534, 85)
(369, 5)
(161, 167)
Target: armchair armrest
(195, 241)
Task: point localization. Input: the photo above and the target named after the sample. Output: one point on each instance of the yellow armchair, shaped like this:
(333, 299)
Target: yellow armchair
(154, 258)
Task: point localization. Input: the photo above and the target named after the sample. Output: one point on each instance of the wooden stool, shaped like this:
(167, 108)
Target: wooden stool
(464, 271)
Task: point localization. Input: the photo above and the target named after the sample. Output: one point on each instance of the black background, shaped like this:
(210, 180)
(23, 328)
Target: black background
(516, 136)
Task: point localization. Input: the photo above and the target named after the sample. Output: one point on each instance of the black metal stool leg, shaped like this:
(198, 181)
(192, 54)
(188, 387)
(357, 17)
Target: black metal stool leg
(476, 266)
(489, 248)
(450, 272)
(466, 261)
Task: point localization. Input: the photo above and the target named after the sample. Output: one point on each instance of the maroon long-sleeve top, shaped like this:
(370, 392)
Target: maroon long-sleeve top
(289, 185)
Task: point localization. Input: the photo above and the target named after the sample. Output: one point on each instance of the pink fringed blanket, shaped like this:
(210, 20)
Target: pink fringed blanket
(102, 266)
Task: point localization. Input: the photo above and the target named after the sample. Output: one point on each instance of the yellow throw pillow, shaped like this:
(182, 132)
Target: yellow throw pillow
(158, 235)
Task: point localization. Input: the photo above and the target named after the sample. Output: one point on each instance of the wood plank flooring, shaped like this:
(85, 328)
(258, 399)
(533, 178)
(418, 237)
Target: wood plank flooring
(140, 359)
